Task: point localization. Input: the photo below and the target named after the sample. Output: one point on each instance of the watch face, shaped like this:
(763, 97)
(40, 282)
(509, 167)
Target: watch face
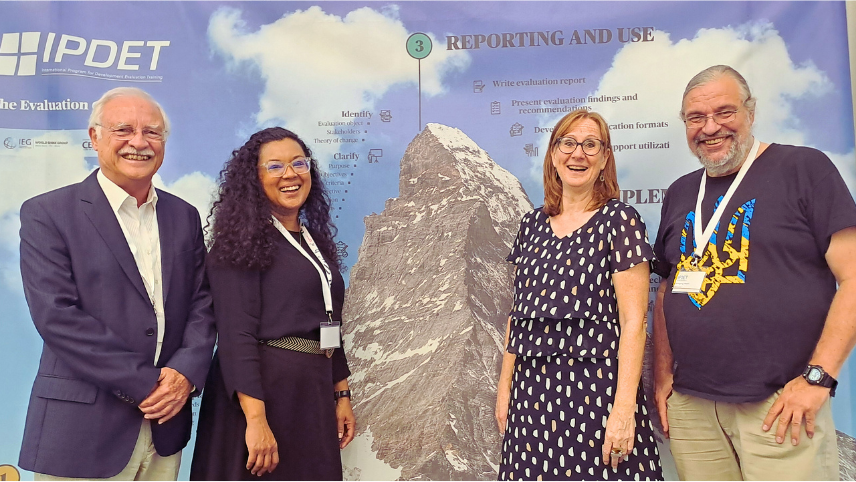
(814, 375)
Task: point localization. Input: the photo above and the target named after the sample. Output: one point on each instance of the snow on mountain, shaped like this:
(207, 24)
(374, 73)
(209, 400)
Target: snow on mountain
(426, 310)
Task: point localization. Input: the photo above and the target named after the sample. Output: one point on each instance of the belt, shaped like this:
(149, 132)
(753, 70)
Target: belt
(293, 343)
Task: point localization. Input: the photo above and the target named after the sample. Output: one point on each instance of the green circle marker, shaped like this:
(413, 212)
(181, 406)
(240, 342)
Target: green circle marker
(418, 45)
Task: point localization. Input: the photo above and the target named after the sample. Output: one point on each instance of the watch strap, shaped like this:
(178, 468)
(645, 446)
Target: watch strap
(341, 393)
(826, 380)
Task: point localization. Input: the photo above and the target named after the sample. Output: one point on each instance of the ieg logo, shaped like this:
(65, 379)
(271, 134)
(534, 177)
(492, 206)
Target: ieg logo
(10, 143)
(19, 52)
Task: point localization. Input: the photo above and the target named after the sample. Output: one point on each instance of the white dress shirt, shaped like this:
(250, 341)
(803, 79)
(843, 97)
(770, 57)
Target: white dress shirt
(140, 227)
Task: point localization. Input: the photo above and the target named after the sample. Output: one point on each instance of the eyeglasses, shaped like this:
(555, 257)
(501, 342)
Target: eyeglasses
(721, 117)
(301, 165)
(126, 133)
(590, 146)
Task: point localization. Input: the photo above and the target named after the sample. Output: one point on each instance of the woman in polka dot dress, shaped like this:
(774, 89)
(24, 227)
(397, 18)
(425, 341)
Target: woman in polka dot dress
(569, 399)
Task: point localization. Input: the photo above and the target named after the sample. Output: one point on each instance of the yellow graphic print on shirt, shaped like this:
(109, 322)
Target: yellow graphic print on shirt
(714, 263)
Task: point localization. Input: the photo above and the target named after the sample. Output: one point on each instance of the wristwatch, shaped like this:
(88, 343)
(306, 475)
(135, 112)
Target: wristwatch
(341, 393)
(816, 375)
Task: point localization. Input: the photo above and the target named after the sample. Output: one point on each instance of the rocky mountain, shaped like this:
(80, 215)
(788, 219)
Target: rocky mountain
(427, 307)
(846, 456)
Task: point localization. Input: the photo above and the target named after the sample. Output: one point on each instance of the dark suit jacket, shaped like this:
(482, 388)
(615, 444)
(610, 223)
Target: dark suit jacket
(89, 304)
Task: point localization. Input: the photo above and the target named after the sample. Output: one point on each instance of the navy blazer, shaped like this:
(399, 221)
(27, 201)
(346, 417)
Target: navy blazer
(89, 304)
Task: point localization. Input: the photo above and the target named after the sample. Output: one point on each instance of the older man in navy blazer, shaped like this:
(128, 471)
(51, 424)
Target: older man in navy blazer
(113, 273)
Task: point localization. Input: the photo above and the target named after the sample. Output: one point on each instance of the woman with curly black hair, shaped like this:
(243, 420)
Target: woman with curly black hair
(276, 404)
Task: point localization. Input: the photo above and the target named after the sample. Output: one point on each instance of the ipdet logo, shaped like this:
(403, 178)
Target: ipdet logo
(19, 52)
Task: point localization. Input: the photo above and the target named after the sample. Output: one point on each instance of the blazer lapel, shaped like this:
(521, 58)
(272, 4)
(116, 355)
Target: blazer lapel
(98, 210)
(167, 230)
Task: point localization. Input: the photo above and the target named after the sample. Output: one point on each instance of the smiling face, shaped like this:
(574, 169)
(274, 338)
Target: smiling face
(720, 148)
(287, 193)
(579, 171)
(131, 163)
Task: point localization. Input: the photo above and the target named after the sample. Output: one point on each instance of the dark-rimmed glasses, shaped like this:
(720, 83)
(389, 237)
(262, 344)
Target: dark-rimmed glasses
(567, 145)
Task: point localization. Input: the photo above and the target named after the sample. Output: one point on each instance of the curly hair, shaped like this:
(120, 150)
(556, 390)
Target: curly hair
(242, 233)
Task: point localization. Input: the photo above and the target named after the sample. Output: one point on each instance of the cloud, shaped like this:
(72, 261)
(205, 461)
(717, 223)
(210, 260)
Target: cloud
(657, 73)
(196, 188)
(314, 64)
(10, 273)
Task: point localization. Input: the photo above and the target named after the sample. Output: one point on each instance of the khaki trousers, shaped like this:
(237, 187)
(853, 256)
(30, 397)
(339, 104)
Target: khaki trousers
(724, 441)
(145, 463)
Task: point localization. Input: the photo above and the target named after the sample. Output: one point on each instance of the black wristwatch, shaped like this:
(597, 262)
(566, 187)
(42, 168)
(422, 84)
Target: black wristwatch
(816, 375)
(341, 393)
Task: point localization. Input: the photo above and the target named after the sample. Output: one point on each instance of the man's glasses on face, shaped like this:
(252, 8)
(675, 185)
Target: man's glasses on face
(301, 165)
(721, 117)
(126, 133)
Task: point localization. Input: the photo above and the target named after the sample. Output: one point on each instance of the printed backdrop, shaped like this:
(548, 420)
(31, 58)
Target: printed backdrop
(362, 81)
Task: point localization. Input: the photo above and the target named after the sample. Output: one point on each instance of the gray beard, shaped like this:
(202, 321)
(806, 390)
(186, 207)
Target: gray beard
(733, 158)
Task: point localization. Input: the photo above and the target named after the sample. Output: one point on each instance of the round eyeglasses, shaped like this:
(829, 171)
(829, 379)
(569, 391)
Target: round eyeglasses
(567, 145)
(301, 165)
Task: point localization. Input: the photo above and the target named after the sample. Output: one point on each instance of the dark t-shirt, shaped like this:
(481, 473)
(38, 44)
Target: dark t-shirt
(564, 299)
(758, 319)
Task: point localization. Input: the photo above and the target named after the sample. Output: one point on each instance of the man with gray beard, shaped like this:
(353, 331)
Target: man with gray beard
(756, 311)
(114, 276)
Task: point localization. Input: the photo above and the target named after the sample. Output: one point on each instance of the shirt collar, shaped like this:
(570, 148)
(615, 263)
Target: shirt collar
(117, 196)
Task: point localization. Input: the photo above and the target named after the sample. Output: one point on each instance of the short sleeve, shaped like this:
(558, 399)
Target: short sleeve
(660, 264)
(830, 207)
(629, 241)
(516, 248)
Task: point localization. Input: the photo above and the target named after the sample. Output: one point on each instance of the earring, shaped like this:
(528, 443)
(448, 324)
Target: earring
(601, 176)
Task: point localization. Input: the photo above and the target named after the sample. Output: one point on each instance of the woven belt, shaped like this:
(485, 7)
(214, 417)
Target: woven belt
(293, 343)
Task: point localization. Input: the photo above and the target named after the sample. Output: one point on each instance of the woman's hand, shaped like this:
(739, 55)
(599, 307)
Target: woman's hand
(346, 422)
(503, 394)
(503, 387)
(620, 434)
(264, 455)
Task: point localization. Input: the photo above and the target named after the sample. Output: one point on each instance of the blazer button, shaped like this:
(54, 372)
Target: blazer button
(150, 332)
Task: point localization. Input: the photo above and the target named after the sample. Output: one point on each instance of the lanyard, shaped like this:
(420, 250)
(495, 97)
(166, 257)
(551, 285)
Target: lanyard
(701, 238)
(326, 274)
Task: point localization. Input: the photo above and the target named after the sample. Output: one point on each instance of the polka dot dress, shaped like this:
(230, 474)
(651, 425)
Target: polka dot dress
(565, 334)
(571, 277)
(557, 418)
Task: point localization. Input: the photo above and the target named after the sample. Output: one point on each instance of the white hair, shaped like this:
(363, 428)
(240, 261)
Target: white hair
(714, 73)
(98, 107)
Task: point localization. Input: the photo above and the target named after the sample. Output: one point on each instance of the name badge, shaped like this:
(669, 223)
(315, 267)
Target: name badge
(688, 281)
(330, 335)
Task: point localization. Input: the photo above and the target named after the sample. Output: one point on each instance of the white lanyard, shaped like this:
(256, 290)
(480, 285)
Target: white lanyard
(326, 274)
(701, 238)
